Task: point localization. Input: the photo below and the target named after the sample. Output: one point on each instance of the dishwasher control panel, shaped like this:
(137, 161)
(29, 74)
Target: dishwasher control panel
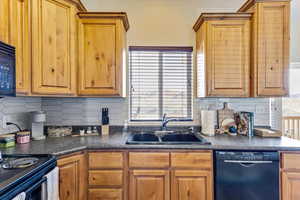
(247, 156)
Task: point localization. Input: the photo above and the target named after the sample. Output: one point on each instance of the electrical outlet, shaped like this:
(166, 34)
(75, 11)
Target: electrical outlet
(4, 120)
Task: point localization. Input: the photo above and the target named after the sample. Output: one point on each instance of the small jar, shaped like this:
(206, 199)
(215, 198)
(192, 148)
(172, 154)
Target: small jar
(23, 137)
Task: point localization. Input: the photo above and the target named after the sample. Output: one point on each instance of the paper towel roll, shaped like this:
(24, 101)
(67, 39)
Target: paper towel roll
(208, 118)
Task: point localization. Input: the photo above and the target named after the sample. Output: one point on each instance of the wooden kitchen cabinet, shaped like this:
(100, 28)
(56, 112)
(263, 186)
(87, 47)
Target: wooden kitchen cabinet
(106, 176)
(54, 58)
(72, 177)
(191, 185)
(15, 30)
(223, 54)
(290, 176)
(4, 19)
(269, 46)
(149, 184)
(20, 38)
(102, 54)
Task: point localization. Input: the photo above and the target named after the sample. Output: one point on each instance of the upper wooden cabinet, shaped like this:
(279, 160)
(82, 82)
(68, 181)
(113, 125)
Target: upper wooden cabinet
(270, 46)
(4, 19)
(20, 38)
(54, 47)
(223, 54)
(15, 30)
(102, 54)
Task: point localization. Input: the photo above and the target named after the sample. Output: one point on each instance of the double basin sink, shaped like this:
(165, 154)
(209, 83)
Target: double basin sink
(164, 138)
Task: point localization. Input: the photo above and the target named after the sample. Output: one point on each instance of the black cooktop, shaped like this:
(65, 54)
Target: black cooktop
(15, 169)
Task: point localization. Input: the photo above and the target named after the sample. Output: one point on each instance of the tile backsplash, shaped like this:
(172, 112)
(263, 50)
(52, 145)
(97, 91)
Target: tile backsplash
(87, 111)
(16, 110)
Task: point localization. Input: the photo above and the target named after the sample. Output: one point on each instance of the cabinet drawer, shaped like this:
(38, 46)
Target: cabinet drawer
(290, 161)
(97, 194)
(148, 160)
(191, 160)
(106, 160)
(106, 178)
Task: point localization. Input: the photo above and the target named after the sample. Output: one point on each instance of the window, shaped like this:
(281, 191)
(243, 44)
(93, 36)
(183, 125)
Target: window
(160, 82)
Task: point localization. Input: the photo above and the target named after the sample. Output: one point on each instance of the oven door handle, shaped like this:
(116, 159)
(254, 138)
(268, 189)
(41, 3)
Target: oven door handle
(35, 186)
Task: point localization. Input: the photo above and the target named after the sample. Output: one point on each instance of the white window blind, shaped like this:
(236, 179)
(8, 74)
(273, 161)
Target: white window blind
(160, 82)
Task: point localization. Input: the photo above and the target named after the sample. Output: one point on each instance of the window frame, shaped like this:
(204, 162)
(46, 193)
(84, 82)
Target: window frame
(166, 49)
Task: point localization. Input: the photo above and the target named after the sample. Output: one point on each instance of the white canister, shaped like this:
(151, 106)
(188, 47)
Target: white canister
(208, 119)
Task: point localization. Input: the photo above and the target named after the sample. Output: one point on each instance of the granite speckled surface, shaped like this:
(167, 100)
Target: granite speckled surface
(117, 140)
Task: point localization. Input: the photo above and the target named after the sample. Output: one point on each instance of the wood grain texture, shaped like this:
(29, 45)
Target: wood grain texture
(112, 15)
(191, 160)
(149, 185)
(106, 160)
(20, 38)
(219, 16)
(290, 161)
(249, 4)
(105, 194)
(106, 177)
(290, 185)
(149, 160)
(272, 50)
(228, 58)
(191, 185)
(54, 47)
(4, 19)
(223, 56)
(72, 177)
(102, 56)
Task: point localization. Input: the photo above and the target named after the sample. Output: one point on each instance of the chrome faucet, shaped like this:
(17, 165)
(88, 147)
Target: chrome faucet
(165, 121)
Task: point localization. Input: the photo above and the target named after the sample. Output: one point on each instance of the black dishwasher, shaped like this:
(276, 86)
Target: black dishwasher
(246, 175)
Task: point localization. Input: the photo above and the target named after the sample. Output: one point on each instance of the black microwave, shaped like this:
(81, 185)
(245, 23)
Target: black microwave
(7, 70)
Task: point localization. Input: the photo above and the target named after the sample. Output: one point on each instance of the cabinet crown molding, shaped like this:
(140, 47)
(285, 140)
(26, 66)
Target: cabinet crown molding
(120, 15)
(219, 16)
(248, 4)
(78, 4)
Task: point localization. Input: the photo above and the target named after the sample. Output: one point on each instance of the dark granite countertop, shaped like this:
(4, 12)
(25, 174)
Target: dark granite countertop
(64, 145)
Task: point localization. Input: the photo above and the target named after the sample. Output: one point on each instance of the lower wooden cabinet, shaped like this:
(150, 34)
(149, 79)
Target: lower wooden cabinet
(191, 185)
(290, 185)
(149, 184)
(72, 177)
(178, 175)
(290, 176)
(105, 194)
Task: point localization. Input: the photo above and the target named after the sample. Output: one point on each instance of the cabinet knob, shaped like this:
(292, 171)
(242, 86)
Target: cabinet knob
(271, 68)
(93, 82)
(52, 69)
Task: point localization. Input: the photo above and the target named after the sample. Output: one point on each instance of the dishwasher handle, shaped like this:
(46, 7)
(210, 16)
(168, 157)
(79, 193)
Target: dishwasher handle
(248, 163)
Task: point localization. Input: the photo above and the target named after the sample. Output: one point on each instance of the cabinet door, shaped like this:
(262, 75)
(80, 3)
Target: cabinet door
(149, 184)
(290, 185)
(19, 13)
(191, 185)
(4, 18)
(272, 48)
(72, 178)
(101, 44)
(53, 47)
(105, 194)
(228, 58)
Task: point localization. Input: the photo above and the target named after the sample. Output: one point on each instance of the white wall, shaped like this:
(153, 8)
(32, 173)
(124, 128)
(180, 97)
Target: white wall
(295, 31)
(162, 22)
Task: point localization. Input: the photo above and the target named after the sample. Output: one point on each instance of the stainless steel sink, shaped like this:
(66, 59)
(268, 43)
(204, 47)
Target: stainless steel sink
(159, 138)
